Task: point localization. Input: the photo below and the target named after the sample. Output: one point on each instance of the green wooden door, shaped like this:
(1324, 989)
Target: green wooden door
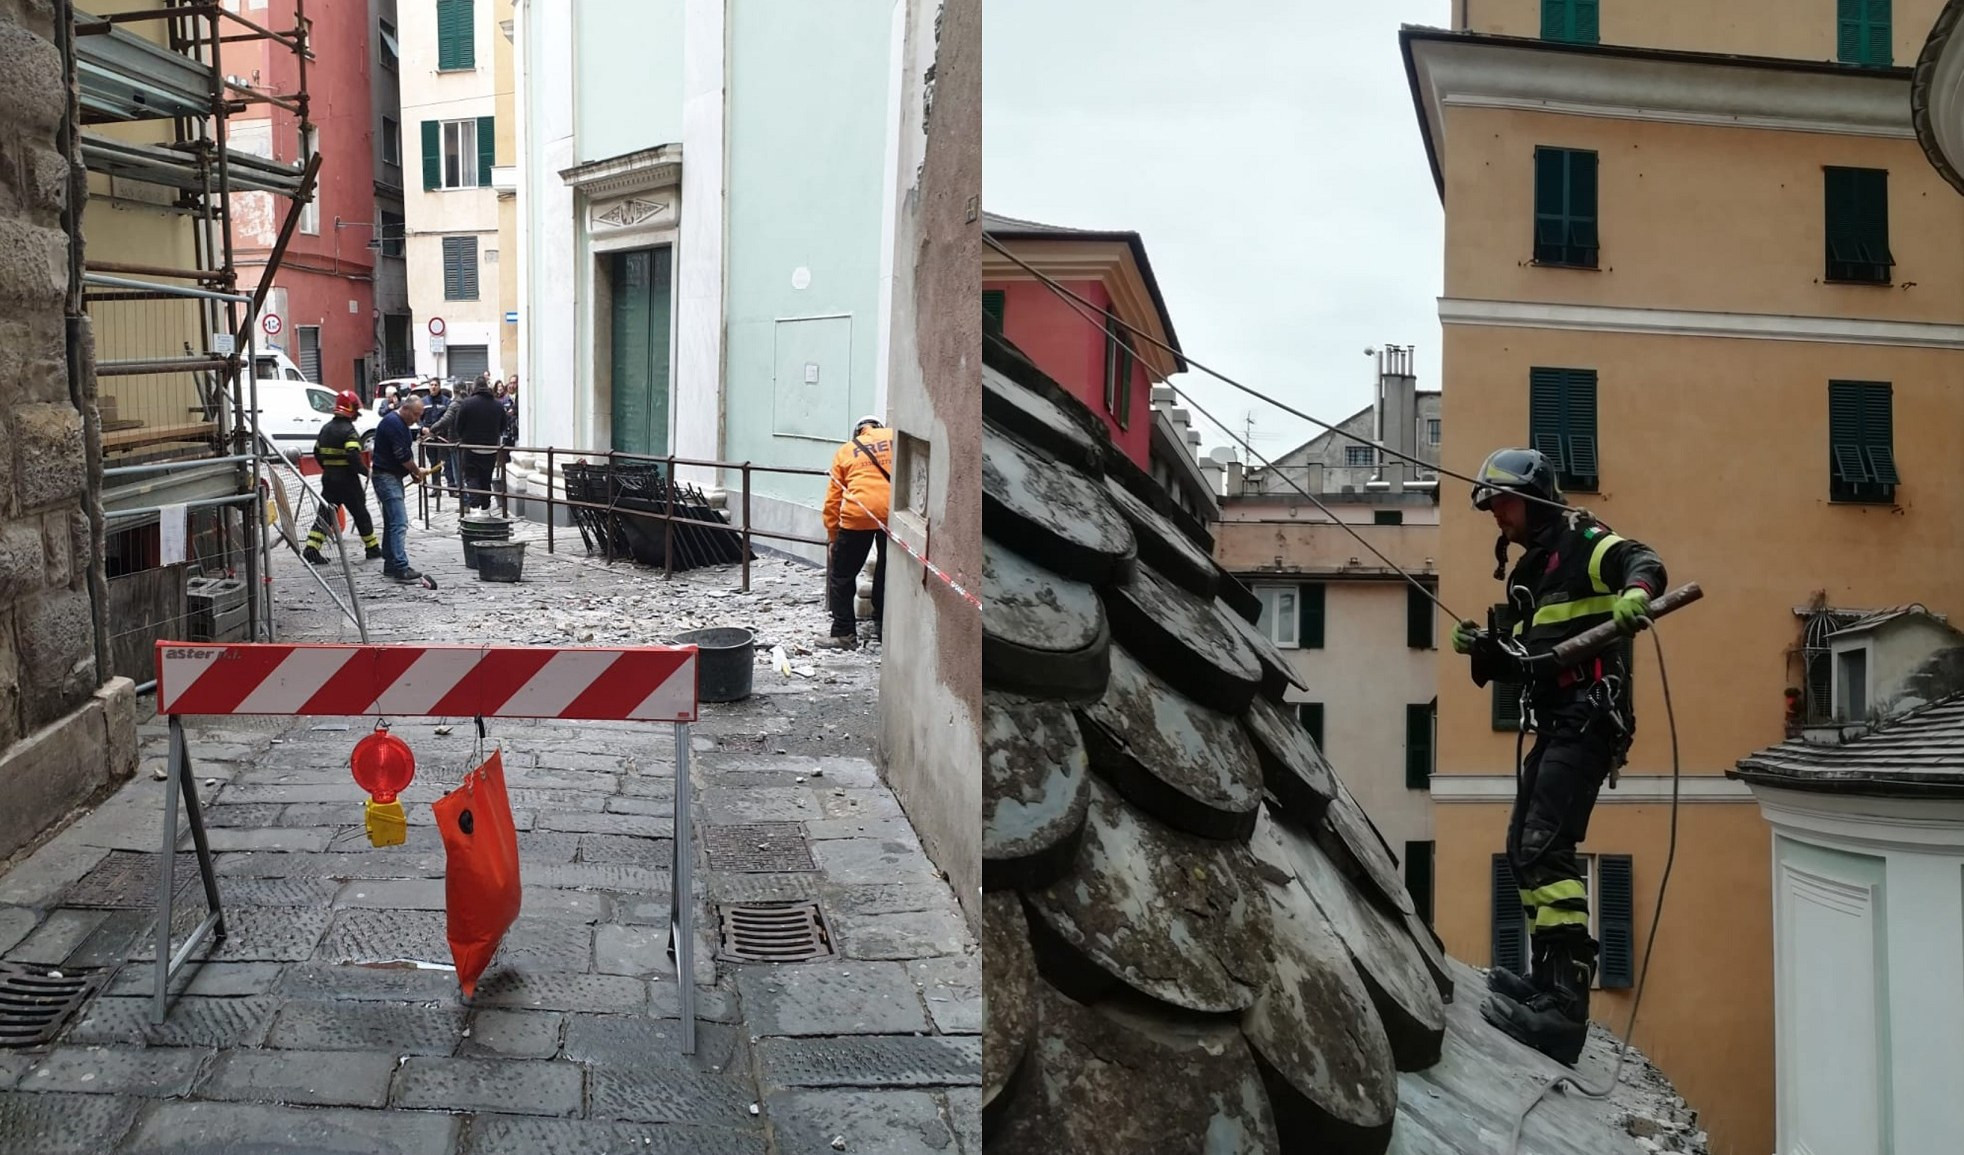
(641, 282)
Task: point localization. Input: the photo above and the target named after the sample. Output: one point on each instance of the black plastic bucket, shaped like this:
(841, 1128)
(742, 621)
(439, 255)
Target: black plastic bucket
(500, 561)
(725, 659)
(481, 529)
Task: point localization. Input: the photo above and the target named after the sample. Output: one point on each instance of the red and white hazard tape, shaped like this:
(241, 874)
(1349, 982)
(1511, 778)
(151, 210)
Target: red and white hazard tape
(937, 571)
(629, 683)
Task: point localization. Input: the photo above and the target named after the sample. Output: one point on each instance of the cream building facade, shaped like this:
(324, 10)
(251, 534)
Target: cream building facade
(1701, 259)
(449, 74)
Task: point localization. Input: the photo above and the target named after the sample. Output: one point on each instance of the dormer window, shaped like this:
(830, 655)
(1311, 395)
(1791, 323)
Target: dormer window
(1851, 684)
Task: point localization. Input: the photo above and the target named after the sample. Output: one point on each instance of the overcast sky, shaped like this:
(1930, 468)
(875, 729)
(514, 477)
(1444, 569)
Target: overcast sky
(1269, 156)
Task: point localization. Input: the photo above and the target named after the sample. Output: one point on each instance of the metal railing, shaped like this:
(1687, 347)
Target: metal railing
(608, 460)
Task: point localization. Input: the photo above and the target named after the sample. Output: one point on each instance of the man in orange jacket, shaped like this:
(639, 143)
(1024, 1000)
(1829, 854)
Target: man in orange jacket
(856, 499)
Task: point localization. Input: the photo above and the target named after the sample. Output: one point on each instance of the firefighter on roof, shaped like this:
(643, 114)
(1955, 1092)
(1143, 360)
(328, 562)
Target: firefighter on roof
(1576, 574)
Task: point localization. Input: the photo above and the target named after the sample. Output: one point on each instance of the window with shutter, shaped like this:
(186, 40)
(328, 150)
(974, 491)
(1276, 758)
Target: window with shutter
(1418, 746)
(1310, 608)
(1419, 623)
(1418, 877)
(1863, 33)
(1856, 204)
(1510, 925)
(1615, 901)
(1506, 705)
(1310, 714)
(992, 309)
(1571, 21)
(456, 46)
(460, 268)
(1565, 207)
(1862, 442)
(1562, 424)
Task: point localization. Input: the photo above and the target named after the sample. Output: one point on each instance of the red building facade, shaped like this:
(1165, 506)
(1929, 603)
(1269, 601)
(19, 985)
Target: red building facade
(324, 294)
(1104, 365)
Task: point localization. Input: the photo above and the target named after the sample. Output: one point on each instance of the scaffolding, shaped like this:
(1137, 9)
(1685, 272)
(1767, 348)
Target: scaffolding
(173, 341)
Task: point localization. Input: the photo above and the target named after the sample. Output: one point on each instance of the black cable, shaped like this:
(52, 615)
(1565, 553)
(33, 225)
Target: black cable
(1650, 940)
(1099, 323)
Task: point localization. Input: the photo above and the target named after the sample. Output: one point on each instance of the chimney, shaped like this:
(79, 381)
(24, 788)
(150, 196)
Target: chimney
(1236, 479)
(1397, 414)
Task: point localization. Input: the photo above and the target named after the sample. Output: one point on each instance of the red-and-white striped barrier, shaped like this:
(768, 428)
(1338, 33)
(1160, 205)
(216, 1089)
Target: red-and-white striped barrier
(618, 683)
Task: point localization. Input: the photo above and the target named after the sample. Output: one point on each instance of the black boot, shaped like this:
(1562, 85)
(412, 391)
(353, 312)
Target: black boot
(313, 554)
(374, 551)
(1556, 1023)
(1522, 988)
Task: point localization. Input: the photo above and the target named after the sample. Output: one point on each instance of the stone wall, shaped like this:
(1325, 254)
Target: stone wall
(60, 740)
(931, 668)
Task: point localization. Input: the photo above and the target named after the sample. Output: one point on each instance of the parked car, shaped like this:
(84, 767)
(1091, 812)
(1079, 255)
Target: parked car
(292, 409)
(404, 386)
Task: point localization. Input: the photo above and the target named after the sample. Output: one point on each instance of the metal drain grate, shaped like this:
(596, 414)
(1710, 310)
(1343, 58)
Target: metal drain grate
(37, 1001)
(773, 932)
(759, 848)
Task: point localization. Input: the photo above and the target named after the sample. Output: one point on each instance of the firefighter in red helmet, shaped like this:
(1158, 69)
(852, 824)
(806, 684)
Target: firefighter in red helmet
(338, 450)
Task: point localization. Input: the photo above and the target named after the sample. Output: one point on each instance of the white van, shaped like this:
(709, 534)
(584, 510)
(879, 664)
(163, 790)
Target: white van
(293, 409)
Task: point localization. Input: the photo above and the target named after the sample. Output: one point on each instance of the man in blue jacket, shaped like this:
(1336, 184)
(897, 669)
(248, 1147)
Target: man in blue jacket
(394, 468)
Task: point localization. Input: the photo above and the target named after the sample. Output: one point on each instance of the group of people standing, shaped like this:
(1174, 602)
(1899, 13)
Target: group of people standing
(461, 437)
(469, 435)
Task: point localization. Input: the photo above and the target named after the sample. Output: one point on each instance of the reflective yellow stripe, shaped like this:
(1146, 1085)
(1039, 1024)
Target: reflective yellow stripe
(1557, 891)
(1554, 916)
(1596, 562)
(1569, 611)
(354, 445)
(1527, 898)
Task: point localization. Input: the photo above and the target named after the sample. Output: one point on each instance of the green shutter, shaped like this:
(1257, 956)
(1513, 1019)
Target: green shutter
(1587, 28)
(1580, 430)
(460, 268)
(1418, 619)
(1562, 423)
(487, 149)
(1849, 41)
(1550, 215)
(1615, 902)
(1418, 746)
(1506, 706)
(1510, 927)
(432, 154)
(1309, 616)
(992, 310)
(456, 47)
(1872, 214)
(1418, 877)
(1310, 714)
(1856, 204)
(1582, 207)
(1573, 21)
(1879, 433)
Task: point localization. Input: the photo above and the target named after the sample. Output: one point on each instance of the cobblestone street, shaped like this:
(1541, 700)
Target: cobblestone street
(311, 1031)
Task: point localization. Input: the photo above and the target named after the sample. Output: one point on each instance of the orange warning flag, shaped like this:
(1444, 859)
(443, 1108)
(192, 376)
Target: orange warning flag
(481, 888)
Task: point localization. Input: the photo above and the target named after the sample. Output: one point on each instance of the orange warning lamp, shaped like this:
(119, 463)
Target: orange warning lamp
(383, 765)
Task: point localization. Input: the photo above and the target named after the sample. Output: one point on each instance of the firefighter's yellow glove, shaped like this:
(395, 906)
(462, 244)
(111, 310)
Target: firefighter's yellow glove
(1632, 610)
